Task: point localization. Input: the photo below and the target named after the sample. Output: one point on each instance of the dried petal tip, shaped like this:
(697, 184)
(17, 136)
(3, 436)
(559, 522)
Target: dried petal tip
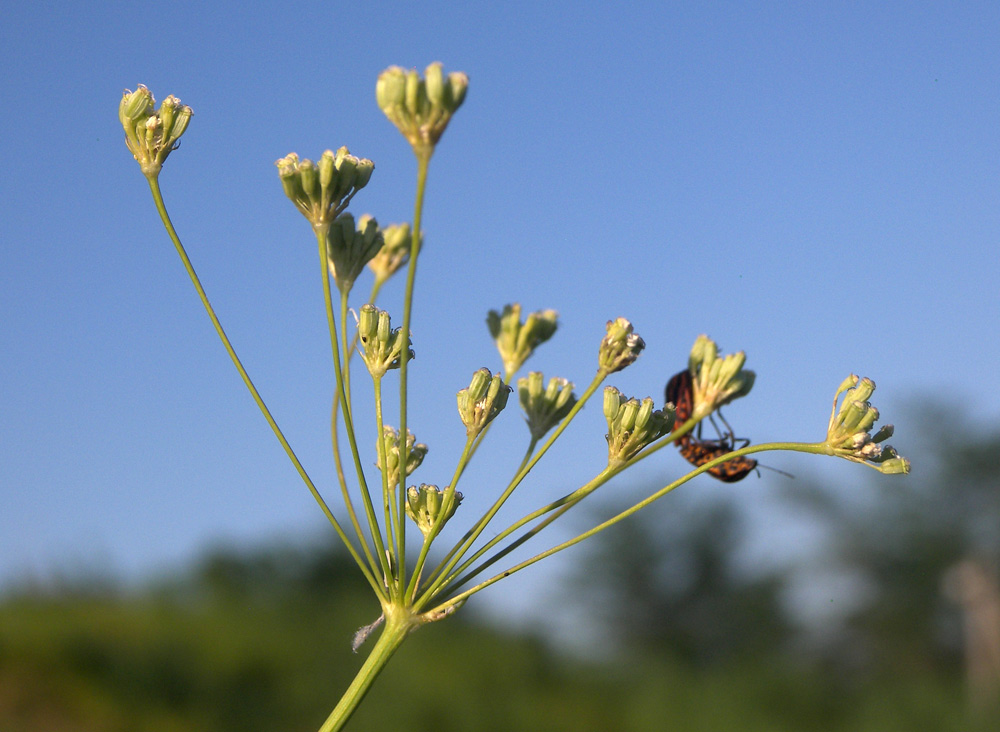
(619, 348)
(515, 340)
(151, 134)
(848, 433)
(716, 380)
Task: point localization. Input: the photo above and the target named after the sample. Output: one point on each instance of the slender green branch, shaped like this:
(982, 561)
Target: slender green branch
(458, 551)
(168, 224)
(817, 448)
(345, 409)
(392, 519)
(446, 503)
(377, 564)
(423, 163)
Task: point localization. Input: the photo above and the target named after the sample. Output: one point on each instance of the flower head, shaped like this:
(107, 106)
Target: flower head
(848, 436)
(483, 400)
(716, 380)
(620, 347)
(632, 424)
(381, 346)
(390, 447)
(151, 134)
(515, 340)
(321, 191)
(425, 505)
(545, 407)
(393, 254)
(420, 108)
(350, 248)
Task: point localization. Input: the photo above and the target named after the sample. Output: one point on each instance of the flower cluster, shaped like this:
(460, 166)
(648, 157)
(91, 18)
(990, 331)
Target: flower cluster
(382, 347)
(420, 108)
(321, 191)
(425, 504)
(619, 347)
(390, 448)
(716, 380)
(632, 424)
(151, 134)
(544, 407)
(483, 400)
(515, 340)
(847, 434)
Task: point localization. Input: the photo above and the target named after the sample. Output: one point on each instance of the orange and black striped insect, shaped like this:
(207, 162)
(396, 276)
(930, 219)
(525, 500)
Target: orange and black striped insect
(698, 451)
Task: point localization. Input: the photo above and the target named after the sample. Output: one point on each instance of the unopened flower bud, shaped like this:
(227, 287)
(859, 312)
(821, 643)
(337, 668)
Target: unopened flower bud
(350, 248)
(632, 424)
(321, 191)
(545, 407)
(425, 505)
(390, 447)
(847, 434)
(420, 108)
(716, 380)
(482, 401)
(619, 347)
(151, 134)
(515, 340)
(381, 346)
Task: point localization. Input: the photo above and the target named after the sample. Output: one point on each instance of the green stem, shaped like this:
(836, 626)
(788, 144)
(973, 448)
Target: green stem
(154, 187)
(398, 624)
(437, 578)
(423, 162)
(345, 409)
(323, 242)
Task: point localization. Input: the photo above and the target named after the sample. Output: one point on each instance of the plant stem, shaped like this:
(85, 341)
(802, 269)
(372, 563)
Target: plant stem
(323, 242)
(154, 187)
(423, 162)
(398, 624)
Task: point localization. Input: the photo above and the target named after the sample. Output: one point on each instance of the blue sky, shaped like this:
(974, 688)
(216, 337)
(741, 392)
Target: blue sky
(816, 184)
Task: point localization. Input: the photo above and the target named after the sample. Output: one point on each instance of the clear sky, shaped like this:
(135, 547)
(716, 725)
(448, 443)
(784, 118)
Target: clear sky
(817, 184)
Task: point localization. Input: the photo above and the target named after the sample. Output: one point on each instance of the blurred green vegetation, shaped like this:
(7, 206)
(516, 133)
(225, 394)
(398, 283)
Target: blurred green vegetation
(260, 640)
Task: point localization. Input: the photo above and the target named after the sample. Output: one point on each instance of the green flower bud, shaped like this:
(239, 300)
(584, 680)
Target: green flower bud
(716, 380)
(515, 340)
(545, 408)
(632, 424)
(619, 347)
(425, 505)
(381, 347)
(395, 252)
(390, 447)
(420, 108)
(151, 134)
(482, 401)
(350, 249)
(847, 434)
(321, 191)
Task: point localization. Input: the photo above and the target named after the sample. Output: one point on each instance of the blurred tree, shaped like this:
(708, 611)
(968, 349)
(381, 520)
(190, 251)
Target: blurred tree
(667, 582)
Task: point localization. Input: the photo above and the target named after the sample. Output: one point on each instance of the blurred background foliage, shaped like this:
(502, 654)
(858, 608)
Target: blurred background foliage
(683, 634)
